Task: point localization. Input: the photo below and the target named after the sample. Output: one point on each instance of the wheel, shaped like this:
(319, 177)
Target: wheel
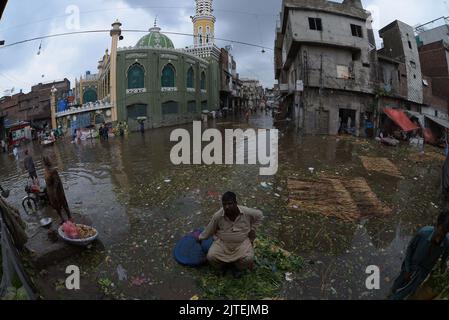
(29, 205)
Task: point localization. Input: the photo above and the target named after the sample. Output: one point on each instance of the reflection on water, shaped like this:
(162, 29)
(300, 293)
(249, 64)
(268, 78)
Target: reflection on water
(141, 204)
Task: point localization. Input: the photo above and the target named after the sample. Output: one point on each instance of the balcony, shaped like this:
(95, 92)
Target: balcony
(85, 108)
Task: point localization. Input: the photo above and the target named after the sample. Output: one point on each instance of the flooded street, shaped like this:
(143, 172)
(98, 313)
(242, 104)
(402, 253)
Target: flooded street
(141, 205)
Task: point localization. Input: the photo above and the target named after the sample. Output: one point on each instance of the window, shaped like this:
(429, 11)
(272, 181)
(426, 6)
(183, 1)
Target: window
(410, 45)
(436, 113)
(136, 77)
(168, 76)
(356, 56)
(137, 110)
(203, 80)
(366, 65)
(315, 24)
(200, 33)
(190, 78)
(356, 31)
(413, 64)
(191, 106)
(90, 95)
(170, 107)
(204, 105)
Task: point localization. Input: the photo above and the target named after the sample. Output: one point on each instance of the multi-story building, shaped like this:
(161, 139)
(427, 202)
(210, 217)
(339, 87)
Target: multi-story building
(400, 44)
(253, 92)
(152, 82)
(325, 62)
(34, 106)
(434, 59)
(332, 78)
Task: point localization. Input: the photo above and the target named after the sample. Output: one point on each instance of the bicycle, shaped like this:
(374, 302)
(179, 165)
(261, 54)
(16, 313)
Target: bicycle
(35, 199)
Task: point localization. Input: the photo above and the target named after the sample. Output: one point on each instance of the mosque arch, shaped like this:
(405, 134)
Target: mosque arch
(168, 78)
(136, 76)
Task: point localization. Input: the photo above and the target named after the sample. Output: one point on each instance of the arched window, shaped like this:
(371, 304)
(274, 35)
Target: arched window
(203, 80)
(168, 76)
(200, 33)
(190, 78)
(90, 95)
(207, 34)
(136, 77)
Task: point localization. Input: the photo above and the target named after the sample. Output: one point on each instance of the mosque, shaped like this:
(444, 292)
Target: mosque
(152, 82)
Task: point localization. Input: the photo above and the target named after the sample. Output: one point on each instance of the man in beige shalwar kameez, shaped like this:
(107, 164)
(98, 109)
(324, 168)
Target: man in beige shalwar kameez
(234, 230)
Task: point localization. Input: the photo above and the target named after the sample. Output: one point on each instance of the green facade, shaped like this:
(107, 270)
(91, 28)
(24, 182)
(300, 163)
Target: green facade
(164, 108)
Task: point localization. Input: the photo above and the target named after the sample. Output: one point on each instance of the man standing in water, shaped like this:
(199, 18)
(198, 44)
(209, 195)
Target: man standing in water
(426, 248)
(234, 229)
(55, 190)
(29, 166)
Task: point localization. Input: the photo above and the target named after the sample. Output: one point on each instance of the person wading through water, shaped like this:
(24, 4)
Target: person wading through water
(55, 190)
(28, 163)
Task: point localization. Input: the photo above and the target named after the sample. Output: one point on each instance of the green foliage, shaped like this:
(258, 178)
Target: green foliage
(12, 293)
(265, 281)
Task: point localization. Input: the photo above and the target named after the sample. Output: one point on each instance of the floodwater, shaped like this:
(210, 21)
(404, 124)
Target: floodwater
(142, 204)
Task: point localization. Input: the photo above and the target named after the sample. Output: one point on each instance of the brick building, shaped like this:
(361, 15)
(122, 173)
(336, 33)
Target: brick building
(34, 106)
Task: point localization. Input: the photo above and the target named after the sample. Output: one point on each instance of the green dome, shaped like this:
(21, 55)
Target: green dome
(155, 39)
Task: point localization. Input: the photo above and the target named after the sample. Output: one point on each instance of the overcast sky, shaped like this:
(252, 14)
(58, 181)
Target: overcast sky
(251, 21)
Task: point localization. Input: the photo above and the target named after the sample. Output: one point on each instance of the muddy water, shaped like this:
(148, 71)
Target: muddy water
(142, 204)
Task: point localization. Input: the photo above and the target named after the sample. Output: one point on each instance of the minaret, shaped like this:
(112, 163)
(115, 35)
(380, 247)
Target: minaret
(204, 23)
(116, 33)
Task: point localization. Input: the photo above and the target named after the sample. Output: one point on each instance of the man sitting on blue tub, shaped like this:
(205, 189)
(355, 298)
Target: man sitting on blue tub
(234, 230)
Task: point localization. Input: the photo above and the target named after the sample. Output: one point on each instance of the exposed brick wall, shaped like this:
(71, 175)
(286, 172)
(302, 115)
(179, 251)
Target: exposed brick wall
(33, 106)
(433, 60)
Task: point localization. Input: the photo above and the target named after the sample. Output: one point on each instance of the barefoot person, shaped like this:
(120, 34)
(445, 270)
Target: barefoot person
(234, 229)
(55, 190)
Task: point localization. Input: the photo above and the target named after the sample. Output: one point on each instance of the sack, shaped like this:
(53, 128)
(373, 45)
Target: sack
(70, 230)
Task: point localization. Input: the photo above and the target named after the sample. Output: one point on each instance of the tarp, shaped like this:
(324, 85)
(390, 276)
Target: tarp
(441, 122)
(189, 252)
(401, 119)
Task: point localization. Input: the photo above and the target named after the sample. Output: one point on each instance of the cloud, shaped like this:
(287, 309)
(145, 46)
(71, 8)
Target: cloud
(251, 21)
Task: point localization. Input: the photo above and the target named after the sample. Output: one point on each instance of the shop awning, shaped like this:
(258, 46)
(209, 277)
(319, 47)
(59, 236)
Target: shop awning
(441, 122)
(401, 119)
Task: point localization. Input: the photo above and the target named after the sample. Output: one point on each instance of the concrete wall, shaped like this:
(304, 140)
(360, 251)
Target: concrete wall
(324, 62)
(323, 109)
(436, 34)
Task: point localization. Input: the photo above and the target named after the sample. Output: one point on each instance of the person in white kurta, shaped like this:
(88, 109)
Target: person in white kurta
(234, 230)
